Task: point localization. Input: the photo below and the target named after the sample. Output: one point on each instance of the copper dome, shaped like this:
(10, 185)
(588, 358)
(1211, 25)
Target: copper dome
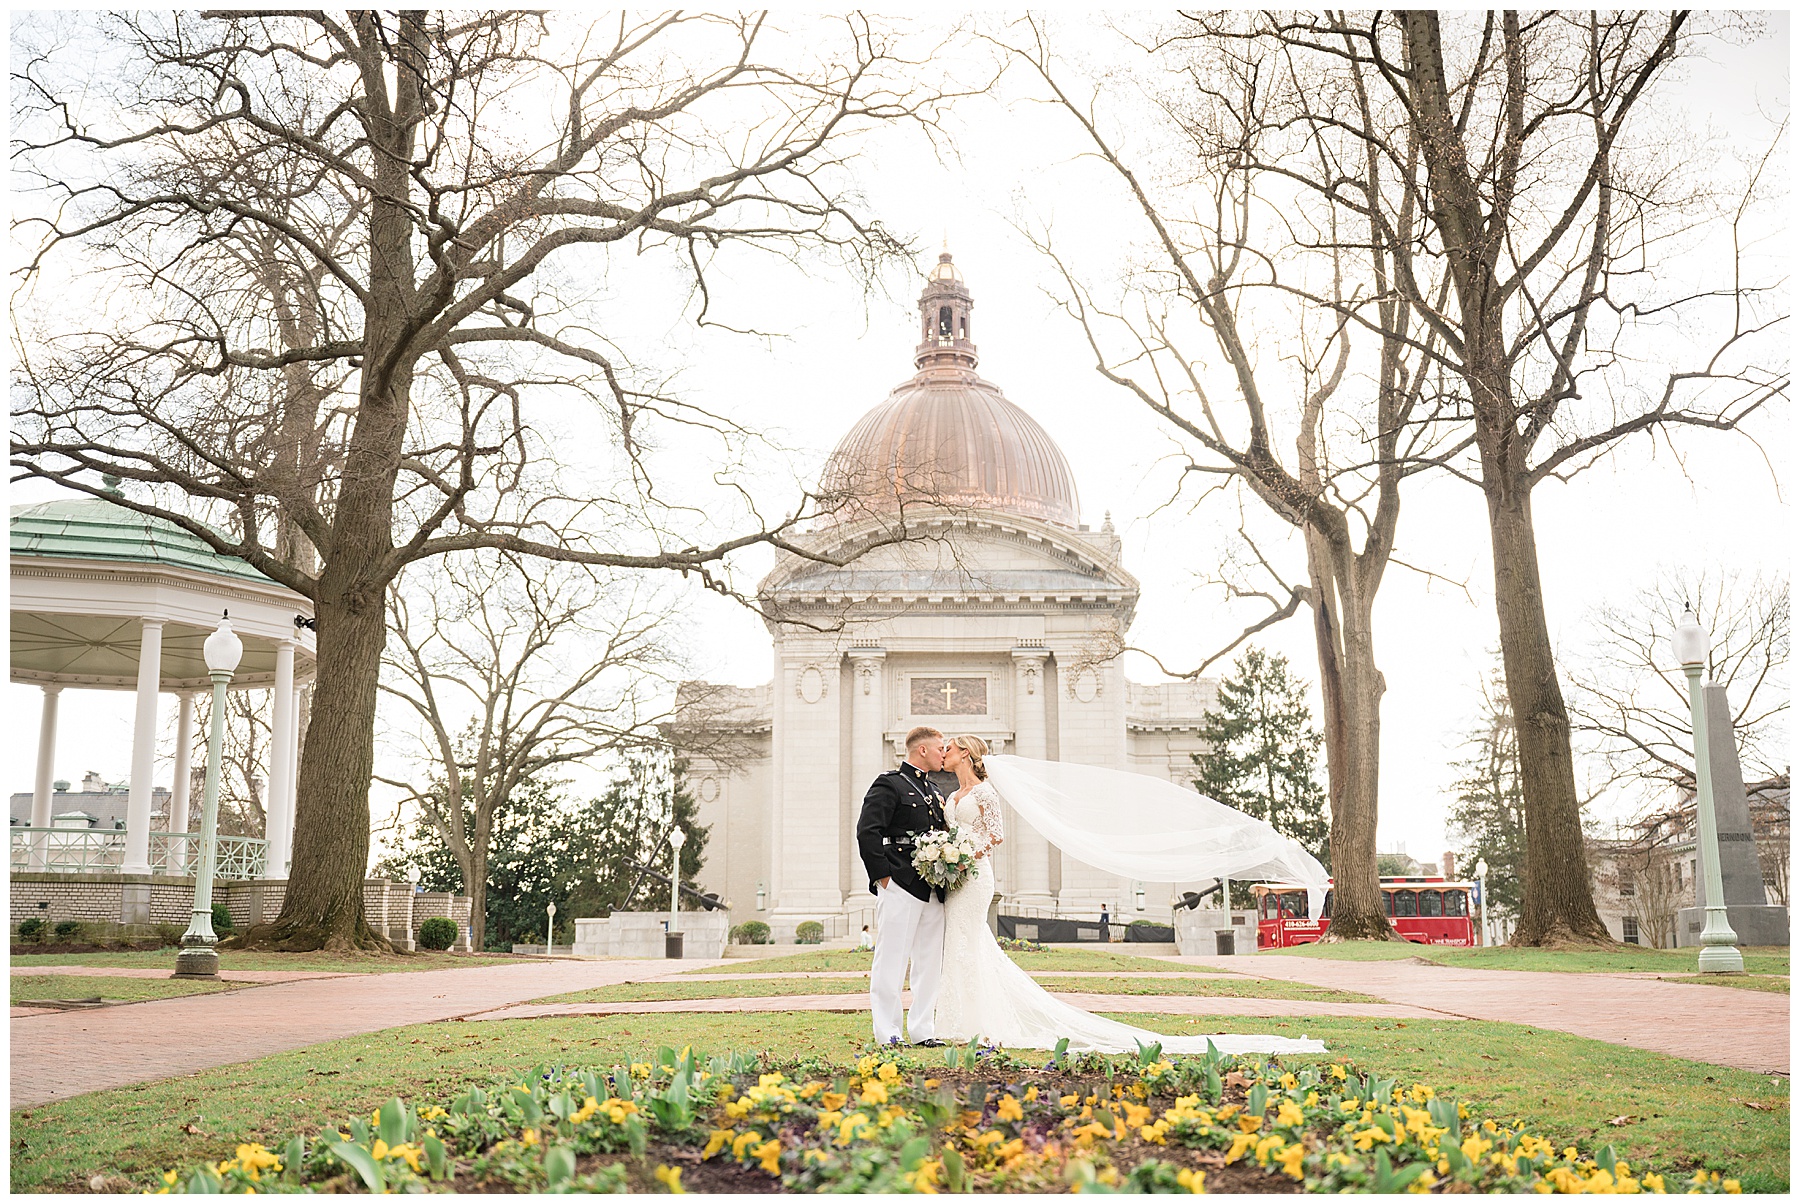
(946, 437)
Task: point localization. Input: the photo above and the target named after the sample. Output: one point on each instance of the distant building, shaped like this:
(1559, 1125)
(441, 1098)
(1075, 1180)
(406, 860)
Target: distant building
(99, 803)
(1645, 873)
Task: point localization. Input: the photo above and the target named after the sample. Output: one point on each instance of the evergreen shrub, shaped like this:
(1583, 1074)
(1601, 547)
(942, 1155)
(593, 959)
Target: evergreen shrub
(809, 932)
(437, 934)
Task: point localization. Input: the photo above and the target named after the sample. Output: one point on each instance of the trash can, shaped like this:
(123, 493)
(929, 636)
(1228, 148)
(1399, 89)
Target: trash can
(672, 944)
(1225, 942)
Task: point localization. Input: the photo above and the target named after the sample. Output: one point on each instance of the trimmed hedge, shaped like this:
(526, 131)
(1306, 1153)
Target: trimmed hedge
(751, 932)
(437, 934)
(809, 932)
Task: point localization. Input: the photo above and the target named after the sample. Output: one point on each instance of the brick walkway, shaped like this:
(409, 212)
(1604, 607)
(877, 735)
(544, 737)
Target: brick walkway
(57, 1055)
(1176, 1005)
(146, 972)
(1727, 1026)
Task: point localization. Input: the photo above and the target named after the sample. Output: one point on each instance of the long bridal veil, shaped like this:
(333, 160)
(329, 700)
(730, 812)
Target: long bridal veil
(1147, 828)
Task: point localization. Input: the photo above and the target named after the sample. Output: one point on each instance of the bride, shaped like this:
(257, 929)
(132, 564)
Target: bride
(984, 994)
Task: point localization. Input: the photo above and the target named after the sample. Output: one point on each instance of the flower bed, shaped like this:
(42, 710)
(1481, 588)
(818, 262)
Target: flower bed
(969, 1120)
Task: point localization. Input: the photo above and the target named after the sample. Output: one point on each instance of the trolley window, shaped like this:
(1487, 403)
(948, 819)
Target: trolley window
(1456, 902)
(1431, 903)
(1406, 903)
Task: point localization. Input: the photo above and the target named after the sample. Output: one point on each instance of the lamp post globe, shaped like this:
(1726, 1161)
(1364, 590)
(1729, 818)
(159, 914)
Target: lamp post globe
(199, 956)
(1718, 943)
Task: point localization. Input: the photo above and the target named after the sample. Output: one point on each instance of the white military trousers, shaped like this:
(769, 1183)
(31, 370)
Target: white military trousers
(908, 931)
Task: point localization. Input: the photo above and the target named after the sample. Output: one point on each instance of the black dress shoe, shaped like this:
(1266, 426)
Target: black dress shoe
(928, 1043)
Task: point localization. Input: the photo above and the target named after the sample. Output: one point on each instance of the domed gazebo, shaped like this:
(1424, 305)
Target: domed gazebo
(106, 598)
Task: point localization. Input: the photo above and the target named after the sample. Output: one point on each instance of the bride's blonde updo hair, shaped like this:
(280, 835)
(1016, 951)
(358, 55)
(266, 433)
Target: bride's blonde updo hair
(977, 748)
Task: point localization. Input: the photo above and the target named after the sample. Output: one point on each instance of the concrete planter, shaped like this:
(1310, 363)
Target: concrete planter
(640, 934)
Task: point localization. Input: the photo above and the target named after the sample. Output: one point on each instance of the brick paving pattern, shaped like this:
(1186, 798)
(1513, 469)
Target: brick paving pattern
(1176, 1005)
(1727, 1026)
(54, 1056)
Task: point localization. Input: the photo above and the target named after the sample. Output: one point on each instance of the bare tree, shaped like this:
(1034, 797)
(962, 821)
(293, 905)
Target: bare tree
(350, 246)
(1356, 391)
(1528, 145)
(510, 673)
(1632, 698)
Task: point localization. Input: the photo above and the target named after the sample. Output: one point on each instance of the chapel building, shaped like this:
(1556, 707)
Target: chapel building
(1000, 615)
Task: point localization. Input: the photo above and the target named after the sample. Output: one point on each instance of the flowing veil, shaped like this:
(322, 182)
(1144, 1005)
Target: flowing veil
(1148, 828)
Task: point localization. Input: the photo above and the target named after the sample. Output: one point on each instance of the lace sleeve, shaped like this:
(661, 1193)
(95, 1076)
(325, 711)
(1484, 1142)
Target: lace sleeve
(987, 827)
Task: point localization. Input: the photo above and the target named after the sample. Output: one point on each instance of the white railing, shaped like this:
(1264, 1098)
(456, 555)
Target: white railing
(102, 851)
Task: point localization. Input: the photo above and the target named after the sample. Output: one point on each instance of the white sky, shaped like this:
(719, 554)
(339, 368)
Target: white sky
(1600, 537)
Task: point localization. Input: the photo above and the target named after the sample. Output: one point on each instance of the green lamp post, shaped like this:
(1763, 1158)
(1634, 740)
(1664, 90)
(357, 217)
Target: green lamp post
(1718, 943)
(199, 956)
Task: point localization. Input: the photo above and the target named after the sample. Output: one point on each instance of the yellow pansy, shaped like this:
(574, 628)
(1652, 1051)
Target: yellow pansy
(670, 1177)
(1009, 1108)
(715, 1142)
(1194, 1181)
(1289, 1115)
(874, 1093)
(769, 1155)
(834, 1101)
(1290, 1160)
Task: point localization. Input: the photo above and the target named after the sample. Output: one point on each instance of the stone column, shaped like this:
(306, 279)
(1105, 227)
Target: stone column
(1031, 853)
(278, 825)
(43, 794)
(143, 750)
(180, 794)
(868, 706)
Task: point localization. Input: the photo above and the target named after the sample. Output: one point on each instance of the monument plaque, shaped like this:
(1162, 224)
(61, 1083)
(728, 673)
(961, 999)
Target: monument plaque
(949, 696)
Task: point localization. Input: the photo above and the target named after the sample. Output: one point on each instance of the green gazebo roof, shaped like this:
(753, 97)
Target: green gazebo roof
(96, 529)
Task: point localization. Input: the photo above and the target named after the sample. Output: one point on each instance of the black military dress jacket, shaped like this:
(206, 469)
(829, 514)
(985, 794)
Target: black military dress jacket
(901, 805)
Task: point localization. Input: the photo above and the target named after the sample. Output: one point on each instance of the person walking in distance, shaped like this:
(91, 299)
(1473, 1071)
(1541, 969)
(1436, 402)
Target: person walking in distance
(900, 806)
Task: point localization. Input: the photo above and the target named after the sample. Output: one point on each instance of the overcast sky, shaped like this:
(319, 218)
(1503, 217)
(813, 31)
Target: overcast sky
(840, 352)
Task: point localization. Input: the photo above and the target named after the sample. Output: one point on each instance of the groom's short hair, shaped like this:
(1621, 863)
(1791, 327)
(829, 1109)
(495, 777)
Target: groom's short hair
(920, 734)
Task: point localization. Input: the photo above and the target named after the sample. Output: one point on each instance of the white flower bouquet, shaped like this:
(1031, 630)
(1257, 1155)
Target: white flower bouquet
(945, 859)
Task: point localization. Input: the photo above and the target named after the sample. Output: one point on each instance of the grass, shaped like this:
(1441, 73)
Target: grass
(27, 987)
(766, 987)
(1673, 1114)
(1747, 982)
(1248, 988)
(232, 959)
(1504, 957)
(857, 959)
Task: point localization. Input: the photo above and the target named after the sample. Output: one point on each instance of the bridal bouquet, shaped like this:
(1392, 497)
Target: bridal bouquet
(945, 859)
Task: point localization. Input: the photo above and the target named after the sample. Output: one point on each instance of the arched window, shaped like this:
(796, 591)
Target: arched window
(1388, 896)
(1456, 902)
(1431, 903)
(962, 326)
(1406, 903)
(946, 320)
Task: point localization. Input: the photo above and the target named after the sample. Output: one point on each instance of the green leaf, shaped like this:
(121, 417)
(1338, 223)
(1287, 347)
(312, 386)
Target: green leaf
(1259, 1099)
(203, 1183)
(1062, 1051)
(360, 1161)
(951, 1056)
(559, 1165)
(292, 1157)
(913, 1153)
(437, 1159)
(1444, 1115)
(560, 1105)
(393, 1127)
(1607, 1159)
(953, 1169)
(1148, 1054)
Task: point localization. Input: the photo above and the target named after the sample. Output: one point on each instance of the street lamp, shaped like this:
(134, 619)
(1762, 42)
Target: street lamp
(199, 956)
(1481, 889)
(1718, 943)
(1137, 889)
(677, 838)
(550, 929)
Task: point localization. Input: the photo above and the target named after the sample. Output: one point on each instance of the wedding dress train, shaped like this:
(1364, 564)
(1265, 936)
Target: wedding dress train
(985, 994)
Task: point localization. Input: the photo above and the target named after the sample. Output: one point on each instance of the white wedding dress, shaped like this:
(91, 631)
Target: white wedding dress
(984, 994)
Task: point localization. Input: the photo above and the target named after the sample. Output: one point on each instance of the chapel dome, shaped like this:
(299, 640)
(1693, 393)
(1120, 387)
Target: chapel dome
(949, 438)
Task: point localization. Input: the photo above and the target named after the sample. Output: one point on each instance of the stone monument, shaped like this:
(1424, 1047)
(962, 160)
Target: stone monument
(1752, 917)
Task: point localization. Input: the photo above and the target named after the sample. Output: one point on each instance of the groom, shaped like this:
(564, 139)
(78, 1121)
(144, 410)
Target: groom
(901, 805)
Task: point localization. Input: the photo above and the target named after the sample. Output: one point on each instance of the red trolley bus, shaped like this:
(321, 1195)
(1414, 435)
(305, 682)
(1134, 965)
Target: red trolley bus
(1426, 911)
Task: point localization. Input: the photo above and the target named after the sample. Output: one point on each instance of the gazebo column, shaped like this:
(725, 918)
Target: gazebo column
(278, 825)
(143, 751)
(42, 794)
(180, 789)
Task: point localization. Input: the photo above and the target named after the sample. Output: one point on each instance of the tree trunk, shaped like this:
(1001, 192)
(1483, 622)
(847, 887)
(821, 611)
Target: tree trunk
(323, 908)
(1351, 687)
(1559, 901)
(475, 879)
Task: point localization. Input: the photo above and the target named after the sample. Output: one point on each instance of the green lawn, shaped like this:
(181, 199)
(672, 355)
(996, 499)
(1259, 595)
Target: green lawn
(1625, 959)
(1746, 982)
(231, 959)
(27, 987)
(1242, 988)
(857, 959)
(1249, 988)
(1672, 1114)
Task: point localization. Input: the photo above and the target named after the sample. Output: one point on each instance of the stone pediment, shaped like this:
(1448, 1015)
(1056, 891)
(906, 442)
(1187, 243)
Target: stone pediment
(979, 557)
